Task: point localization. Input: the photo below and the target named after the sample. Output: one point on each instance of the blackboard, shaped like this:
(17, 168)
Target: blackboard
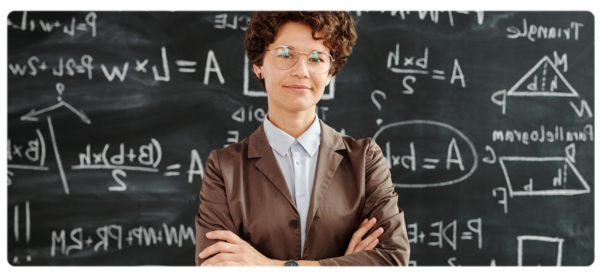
(485, 119)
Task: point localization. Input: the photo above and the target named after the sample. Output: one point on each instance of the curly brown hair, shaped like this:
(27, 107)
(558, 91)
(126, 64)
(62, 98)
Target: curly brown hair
(339, 34)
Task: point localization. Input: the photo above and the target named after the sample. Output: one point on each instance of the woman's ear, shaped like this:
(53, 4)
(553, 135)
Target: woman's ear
(329, 76)
(257, 71)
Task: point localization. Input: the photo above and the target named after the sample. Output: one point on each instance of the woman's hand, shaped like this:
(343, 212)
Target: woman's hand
(233, 252)
(356, 244)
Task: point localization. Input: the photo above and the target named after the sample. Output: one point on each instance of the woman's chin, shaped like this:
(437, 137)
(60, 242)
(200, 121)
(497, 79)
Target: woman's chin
(300, 107)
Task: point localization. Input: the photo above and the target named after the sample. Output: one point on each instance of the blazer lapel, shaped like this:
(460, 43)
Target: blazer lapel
(327, 164)
(258, 147)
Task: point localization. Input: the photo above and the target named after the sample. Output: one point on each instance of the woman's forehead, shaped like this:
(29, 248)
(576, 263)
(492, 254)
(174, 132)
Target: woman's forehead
(299, 36)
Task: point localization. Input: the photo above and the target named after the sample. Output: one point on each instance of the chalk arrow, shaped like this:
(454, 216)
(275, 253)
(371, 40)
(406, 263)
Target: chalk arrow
(79, 113)
(84, 118)
(30, 116)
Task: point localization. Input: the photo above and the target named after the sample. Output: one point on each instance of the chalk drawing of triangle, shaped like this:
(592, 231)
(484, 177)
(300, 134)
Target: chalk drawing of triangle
(542, 80)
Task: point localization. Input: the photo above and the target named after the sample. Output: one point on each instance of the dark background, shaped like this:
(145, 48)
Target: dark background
(186, 116)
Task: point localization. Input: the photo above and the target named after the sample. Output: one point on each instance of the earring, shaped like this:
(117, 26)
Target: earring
(260, 76)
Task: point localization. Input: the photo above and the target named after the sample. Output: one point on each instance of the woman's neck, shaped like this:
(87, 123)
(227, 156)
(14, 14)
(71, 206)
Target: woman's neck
(292, 123)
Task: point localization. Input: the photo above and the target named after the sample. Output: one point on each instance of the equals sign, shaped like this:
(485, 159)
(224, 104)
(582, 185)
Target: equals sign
(81, 26)
(79, 69)
(171, 167)
(438, 75)
(432, 160)
(186, 63)
(466, 235)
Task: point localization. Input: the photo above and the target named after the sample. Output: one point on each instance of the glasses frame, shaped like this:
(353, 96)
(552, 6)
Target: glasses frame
(307, 64)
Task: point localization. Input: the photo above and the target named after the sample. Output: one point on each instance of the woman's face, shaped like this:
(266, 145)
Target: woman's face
(295, 89)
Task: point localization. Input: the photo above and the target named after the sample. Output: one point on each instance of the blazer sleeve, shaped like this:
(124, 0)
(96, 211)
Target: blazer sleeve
(382, 203)
(213, 212)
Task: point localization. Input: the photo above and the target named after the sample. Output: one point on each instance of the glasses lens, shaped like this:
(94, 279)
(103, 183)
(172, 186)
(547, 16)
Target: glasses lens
(284, 57)
(319, 62)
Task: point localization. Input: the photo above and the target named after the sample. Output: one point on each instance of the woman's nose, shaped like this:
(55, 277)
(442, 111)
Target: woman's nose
(300, 69)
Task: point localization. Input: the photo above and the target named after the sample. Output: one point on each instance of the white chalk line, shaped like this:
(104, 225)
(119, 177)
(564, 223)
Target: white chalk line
(408, 71)
(29, 167)
(538, 238)
(174, 166)
(43, 146)
(123, 167)
(58, 161)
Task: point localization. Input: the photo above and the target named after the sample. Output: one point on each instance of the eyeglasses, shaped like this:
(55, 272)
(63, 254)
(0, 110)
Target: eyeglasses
(285, 57)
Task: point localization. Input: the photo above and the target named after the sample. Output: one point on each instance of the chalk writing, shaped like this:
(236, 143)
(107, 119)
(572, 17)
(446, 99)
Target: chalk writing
(420, 67)
(453, 155)
(47, 26)
(541, 32)
(221, 22)
(433, 15)
(445, 234)
(112, 237)
(545, 134)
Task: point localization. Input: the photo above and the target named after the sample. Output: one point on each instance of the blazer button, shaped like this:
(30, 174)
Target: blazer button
(294, 224)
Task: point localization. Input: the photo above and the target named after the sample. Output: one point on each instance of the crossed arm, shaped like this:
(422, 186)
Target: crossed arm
(381, 202)
(234, 251)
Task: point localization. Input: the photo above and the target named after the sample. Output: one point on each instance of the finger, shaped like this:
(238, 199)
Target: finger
(224, 235)
(373, 244)
(358, 235)
(221, 257)
(363, 244)
(219, 247)
(222, 265)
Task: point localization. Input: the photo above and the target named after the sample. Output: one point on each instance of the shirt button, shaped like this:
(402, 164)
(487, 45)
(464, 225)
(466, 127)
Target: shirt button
(294, 224)
(298, 162)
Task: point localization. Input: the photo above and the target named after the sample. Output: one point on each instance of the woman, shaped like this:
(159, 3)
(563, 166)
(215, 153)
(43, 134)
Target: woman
(295, 191)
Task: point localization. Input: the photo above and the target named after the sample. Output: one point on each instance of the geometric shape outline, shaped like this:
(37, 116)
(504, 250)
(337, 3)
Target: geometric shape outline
(513, 92)
(538, 238)
(512, 192)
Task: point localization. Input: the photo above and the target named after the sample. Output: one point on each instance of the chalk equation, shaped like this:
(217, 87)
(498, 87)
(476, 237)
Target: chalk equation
(441, 234)
(413, 65)
(85, 66)
(113, 236)
(30, 24)
(146, 158)
(452, 160)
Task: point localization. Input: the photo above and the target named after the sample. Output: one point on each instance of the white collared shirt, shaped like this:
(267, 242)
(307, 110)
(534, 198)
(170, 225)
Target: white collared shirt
(297, 160)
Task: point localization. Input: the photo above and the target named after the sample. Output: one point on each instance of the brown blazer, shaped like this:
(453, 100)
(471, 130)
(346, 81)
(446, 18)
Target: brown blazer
(244, 191)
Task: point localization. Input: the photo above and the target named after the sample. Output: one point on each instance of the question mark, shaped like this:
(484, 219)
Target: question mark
(378, 92)
(60, 88)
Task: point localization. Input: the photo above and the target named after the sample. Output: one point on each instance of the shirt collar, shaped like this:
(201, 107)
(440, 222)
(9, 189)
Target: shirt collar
(281, 141)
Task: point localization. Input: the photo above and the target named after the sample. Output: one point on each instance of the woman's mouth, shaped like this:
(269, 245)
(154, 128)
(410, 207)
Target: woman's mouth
(298, 88)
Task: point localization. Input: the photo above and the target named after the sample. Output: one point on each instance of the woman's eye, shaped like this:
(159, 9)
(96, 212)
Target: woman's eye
(314, 57)
(284, 53)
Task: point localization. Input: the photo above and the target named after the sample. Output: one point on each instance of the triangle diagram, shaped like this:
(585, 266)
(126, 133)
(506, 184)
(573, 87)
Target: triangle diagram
(544, 79)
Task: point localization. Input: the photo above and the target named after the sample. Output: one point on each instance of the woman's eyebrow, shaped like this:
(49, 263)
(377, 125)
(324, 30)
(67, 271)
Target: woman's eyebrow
(289, 46)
